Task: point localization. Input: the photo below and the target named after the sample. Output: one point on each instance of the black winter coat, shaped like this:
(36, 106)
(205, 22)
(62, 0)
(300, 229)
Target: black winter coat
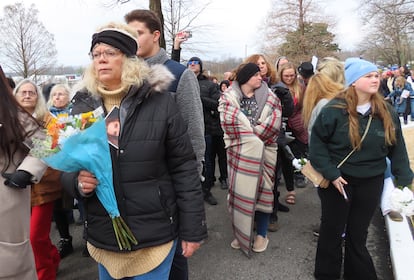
(156, 182)
(210, 95)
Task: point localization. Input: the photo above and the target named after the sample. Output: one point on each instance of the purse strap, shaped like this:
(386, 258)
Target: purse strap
(362, 139)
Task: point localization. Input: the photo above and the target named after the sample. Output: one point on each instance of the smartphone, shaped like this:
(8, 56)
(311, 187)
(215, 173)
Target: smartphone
(185, 34)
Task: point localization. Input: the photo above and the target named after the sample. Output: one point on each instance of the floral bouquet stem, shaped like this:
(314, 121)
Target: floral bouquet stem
(123, 234)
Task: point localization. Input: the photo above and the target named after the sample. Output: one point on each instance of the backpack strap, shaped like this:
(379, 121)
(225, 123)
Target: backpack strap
(177, 70)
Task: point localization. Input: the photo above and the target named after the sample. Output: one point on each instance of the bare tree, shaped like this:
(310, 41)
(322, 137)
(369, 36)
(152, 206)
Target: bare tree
(391, 34)
(182, 15)
(28, 49)
(176, 15)
(155, 5)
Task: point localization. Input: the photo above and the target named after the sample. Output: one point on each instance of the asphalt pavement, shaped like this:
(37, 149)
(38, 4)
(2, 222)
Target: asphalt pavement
(289, 256)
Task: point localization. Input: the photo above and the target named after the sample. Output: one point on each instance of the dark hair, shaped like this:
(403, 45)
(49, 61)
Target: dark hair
(46, 90)
(12, 132)
(12, 84)
(151, 20)
(224, 82)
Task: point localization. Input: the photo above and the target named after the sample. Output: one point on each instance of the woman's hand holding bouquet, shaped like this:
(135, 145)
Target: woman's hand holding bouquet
(79, 143)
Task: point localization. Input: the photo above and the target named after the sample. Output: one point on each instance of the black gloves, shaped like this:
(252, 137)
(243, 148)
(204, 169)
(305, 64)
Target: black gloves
(286, 99)
(19, 179)
(280, 91)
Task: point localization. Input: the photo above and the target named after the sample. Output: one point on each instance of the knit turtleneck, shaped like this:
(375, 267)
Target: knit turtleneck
(112, 98)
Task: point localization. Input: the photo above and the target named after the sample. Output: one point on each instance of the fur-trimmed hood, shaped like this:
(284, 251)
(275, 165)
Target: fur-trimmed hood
(160, 78)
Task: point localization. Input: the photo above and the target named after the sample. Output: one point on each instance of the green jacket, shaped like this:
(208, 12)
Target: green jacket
(330, 144)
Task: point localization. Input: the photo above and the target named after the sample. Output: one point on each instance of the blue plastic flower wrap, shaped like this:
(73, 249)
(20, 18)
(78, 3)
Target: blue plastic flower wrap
(89, 150)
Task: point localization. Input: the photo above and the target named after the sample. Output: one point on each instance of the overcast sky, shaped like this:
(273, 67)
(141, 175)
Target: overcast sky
(232, 32)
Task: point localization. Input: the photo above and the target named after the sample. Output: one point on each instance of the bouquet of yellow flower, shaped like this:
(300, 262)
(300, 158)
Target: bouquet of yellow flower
(58, 130)
(80, 142)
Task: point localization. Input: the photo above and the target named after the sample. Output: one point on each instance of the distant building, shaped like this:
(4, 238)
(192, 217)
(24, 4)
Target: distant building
(69, 79)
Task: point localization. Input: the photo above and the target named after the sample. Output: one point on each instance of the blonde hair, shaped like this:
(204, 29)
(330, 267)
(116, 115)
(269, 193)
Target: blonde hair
(40, 110)
(333, 68)
(378, 109)
(400, 82)
(328, 81)
(134, 70)
(55, 88)
(320, 86)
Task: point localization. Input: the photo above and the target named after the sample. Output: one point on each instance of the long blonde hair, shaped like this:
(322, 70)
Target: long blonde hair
(319, 87)
(379, 109)
(333, 68)
(328, 81)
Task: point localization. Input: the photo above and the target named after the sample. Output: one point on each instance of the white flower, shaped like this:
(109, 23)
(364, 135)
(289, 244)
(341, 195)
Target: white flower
(402, 201)
(65, 134)
(298, 163)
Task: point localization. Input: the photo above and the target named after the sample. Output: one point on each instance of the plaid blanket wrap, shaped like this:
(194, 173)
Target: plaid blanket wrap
(251, 157)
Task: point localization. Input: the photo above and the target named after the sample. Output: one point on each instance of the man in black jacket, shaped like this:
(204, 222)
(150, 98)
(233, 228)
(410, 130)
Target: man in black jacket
(284, 154)
(213, 133)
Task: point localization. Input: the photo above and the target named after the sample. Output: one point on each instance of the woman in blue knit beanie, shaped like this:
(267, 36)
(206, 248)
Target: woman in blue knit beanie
(355, 188)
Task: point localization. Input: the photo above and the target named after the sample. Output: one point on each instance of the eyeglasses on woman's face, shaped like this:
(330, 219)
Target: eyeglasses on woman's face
(107, 54)
(25, 93)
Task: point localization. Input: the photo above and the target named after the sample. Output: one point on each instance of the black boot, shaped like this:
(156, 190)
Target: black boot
(65, 247)
(282, 208)
(224, 184)
(210, 199)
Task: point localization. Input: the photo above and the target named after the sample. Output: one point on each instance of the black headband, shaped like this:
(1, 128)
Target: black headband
(248, 71)
(125, 43)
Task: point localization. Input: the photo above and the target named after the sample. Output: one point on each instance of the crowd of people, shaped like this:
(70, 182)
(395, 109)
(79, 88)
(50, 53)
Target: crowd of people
(343, 117)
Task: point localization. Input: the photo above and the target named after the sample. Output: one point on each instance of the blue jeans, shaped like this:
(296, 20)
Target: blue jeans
(160, 272)
(262, 223)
